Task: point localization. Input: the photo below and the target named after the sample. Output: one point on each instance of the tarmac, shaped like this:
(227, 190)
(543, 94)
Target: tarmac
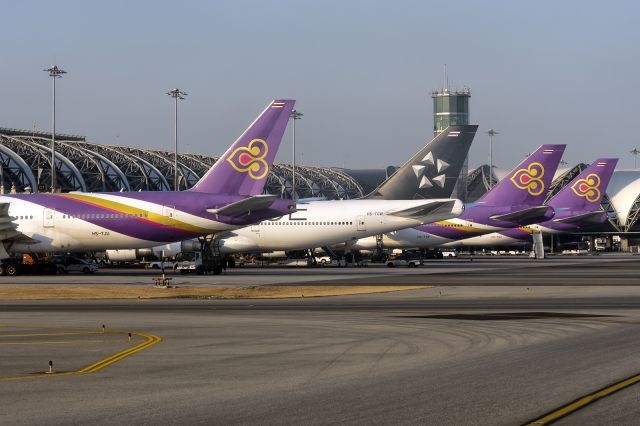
(497, 341)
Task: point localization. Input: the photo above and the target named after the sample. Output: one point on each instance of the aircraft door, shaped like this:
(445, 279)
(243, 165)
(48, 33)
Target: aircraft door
(255, 228)
(360, 223)
(169, 212)
(48, 218)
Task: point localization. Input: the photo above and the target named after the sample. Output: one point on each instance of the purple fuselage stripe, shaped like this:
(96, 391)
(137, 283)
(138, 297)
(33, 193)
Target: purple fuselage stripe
(142, 228)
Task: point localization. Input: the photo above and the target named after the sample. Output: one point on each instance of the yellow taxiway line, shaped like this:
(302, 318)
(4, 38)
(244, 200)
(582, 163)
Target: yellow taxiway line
(584, 401)
(150, 340)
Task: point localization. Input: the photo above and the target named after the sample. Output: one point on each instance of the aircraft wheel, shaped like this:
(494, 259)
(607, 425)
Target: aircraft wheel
(1, 269)
(11, 270)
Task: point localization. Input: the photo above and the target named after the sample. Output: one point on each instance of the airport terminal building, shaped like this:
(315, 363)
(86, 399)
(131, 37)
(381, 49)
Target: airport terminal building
(25, 157)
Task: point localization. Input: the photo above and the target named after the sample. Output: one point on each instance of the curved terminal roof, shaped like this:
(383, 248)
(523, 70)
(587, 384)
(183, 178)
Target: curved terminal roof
(84, 166)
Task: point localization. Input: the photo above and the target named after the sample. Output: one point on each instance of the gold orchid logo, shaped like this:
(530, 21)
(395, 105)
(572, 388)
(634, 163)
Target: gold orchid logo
(530, 179)
(588, 187)
(250, 159)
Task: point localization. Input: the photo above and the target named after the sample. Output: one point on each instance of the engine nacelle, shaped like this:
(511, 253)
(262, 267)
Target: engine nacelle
(122, 255)
(190, 245)
(274, 254)
(167, 250)
(238, 244)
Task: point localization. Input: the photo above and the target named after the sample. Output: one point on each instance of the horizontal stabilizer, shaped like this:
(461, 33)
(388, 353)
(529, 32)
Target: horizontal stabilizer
(527, 215)
(591, 217)
(430, 207)
(247, 205)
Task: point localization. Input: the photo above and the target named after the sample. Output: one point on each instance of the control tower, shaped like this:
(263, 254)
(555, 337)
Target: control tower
(450, 108)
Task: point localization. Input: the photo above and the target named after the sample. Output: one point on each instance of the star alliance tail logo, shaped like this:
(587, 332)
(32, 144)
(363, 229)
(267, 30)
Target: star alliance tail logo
(588, 187)
(530, 179)
(434, 163)
(250, 159)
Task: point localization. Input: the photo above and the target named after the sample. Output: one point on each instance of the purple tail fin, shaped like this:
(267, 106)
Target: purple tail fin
(584, 193)
(243, 168)
(528, 183)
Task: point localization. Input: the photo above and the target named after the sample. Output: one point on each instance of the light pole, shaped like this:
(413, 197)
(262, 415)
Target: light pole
(491, 133)
(635, 152)
(296, 116)
(176, 94)
(1, 173)
(54, 73)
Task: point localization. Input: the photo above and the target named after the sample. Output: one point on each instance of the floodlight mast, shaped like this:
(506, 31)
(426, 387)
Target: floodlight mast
(635, 152)
(54, 73)
(176, 94)
(296, 116)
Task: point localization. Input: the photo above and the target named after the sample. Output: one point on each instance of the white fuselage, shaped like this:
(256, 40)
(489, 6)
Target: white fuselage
(326, 223)
(421, 238)
(49, 230)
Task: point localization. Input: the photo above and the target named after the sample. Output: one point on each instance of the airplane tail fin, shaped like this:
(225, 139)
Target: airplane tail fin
(433, 171)
(585, 192)
(243, 168)
(528, 183)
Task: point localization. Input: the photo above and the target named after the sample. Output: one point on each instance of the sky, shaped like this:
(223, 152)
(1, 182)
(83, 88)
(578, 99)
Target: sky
(362, 73)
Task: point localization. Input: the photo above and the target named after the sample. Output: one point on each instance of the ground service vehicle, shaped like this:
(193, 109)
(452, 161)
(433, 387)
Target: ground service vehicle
(404, 260)
(74, 264)
(27, 263)
(200, 262)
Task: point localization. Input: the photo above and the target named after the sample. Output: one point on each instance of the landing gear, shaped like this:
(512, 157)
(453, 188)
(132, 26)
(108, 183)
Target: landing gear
(212, 259)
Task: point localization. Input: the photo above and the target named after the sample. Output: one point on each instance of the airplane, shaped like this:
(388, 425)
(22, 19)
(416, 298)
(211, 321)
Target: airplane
(576, 206)
(228, 196)
(402, 201)
(515, 201)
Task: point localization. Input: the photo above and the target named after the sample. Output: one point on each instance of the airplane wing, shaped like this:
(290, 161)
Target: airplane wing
(429, 207)
(591, 217)
(523, 216)
(244, 206)
(8, 231)
(7, 226)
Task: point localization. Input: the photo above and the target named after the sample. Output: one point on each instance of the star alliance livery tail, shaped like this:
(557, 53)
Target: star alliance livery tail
(243, 168)
(579, 201)
(433, 171)
(528, 183)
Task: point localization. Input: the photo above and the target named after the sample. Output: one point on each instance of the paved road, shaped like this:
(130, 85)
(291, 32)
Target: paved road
(483, 270)
(449, 355)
